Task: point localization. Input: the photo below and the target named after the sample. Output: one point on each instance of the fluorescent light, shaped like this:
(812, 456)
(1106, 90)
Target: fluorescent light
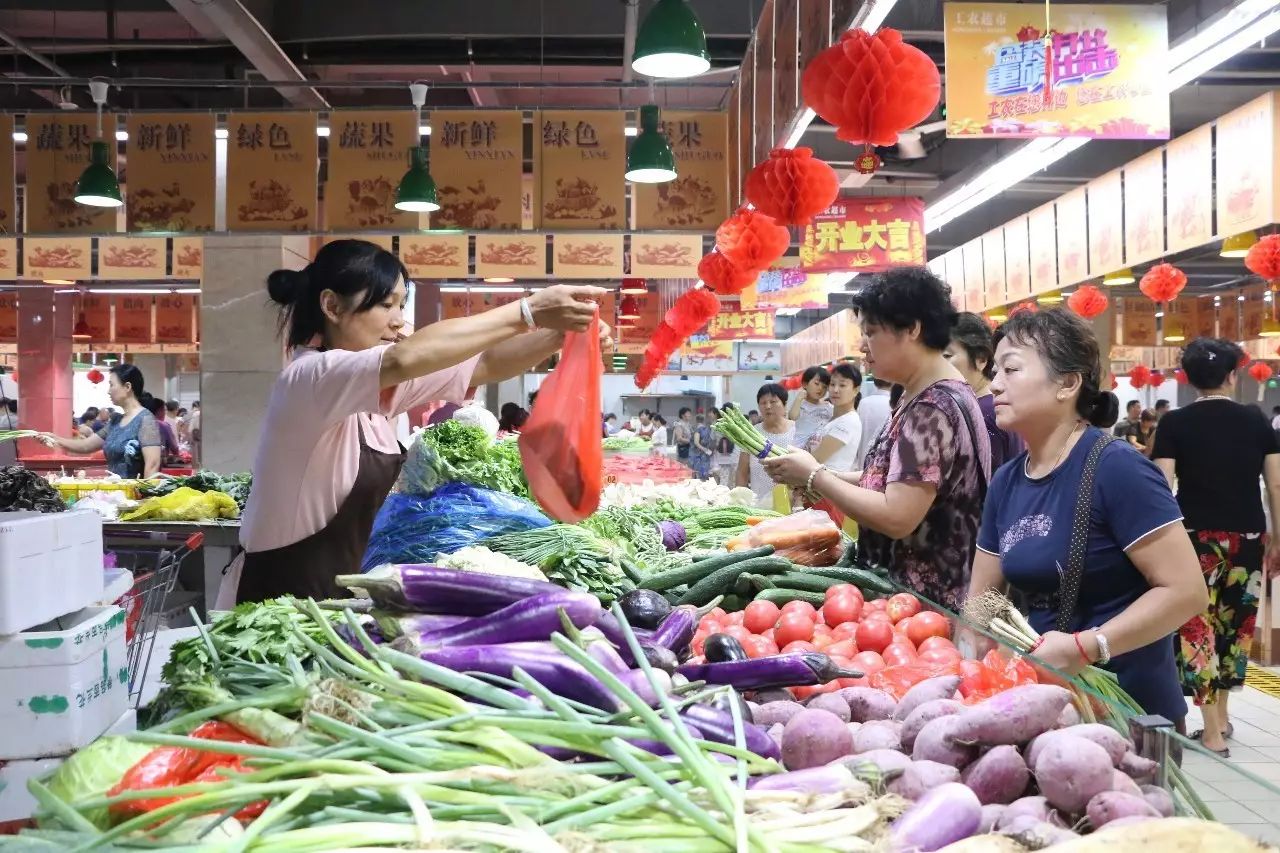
(221, 133)
(424, 130)
(802, 124)
(140, 291)
(1238, 16)
(322, 131)
(630, 131)
(880, 10)
(1223, 50)
(19, 136)
(122, 135)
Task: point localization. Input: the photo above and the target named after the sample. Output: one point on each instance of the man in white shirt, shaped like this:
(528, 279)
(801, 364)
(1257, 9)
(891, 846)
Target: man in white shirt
(874, 411)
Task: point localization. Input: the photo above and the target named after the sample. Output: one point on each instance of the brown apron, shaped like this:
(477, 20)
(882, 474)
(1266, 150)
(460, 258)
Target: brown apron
(307, 567)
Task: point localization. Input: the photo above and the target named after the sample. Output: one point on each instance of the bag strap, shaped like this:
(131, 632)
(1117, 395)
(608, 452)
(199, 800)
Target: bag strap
(973, 437)
(1069, 585)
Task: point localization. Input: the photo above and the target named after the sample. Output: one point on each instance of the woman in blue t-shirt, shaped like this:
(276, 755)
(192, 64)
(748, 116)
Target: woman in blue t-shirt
(1141, 580)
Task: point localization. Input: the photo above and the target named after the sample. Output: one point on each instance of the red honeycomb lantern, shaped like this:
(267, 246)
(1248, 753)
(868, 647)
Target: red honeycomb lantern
(1139, 376)
(1263, 258)
(1260, 371)
(693, 310)
(1162, 282)
(871, 86)
(793, 383)
(1088, 301)
(95, 376)
(752, 240)
(792, 185)
(629, 308)
(1180, 376)
(723, 275)
(1156, 380)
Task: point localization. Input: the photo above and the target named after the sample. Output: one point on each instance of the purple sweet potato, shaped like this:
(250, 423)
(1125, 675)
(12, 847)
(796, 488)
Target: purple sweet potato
(871, 736)
(882, 760)
(1138, 768)
(1122, 783)
(775, 712)
(1069, 717)
(998, 776)
(1038, 834)
(924, 714)
(939, 687)
(814, 737)
(1014, 716)
(776, 730)
(921, 777)
(1071, 771)
(1112, 805)
(867, 703)
(1104, 736)
(935, 742)
(990, 817)
(1033, 807)
(833, 703)
(945, 815)
(1159, 799)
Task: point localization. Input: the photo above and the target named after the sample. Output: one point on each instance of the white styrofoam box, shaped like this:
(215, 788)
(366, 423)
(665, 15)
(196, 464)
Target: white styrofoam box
(116, 583)
(62, 685)
(50, 565)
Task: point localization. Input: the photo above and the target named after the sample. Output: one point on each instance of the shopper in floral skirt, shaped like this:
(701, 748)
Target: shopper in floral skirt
(1214, 450)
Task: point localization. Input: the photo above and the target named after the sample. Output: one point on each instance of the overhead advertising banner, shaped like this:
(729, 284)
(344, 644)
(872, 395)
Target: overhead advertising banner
(753, 355)
(953, 275)
(993, 267)
(1138, 322)
(1042, 232)
(975, 291)
(870, 234)
(477, 158)
(57, 151)
(580, 158)
(188, 257)
(8, 196)
(272, 163)
(175, 319)
(706, 356)
(57, 259)
(1073, 238)
(665, 255)
(435, 256)
(1204, 323)
(633, 338)
(172, 185)
(8, 317)
(1189, 192)
(785, 285)
(368, 155)
(131, 258)
(587, 256)
(1106, 238)
(1229, 317)
(8, 258)
(1017, 261)
(1100, 75)
(133, 319)
(95, 308)
(1246, 163)
(1144, 208)
(698, 199)
(731, 325)
(516, 256)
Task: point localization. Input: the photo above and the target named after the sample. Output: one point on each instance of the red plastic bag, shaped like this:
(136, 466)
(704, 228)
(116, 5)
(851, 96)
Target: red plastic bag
(560, 445)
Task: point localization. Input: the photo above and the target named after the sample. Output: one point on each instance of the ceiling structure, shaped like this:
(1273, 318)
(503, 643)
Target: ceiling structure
(315, 54)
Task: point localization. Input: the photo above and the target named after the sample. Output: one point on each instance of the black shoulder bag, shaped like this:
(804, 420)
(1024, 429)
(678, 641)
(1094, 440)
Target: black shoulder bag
(1069, 584)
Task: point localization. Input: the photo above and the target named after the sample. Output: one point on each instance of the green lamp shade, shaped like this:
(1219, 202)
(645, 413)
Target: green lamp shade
(650, 160)
(417, 191)
(671, 42)
(98, 186)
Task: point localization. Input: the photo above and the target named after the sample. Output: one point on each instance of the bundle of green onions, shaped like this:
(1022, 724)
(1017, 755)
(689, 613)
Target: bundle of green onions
(734, 426)
(15, 434)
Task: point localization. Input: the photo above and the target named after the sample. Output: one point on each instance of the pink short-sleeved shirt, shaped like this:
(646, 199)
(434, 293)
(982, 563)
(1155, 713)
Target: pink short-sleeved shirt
(309, 451)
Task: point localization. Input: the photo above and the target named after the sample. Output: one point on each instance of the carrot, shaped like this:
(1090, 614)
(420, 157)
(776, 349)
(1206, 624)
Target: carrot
(753, 520)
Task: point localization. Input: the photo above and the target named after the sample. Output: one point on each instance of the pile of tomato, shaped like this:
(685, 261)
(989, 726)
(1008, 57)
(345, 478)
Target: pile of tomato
(893, 641)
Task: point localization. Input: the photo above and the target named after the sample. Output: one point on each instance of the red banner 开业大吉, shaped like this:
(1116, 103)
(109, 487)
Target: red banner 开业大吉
(865, 235)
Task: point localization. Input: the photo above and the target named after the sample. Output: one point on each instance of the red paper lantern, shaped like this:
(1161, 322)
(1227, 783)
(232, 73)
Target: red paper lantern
(634, 286)
(1260, 371)
(793, 383)
(665, 338)
(723, 275)
(1029, 305)
(871, 86)
(95, 376)
(792, 186)
(1139, 375)
(1156, 380)
(1180, 376)
(752, 240)
(1114, 383)
(629, 308)
(1088, 301)
(1244, 359)
(1163, 282)
(693, 310)
(1263, 258)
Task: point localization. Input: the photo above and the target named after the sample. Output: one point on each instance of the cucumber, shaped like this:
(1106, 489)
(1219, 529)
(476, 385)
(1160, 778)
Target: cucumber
(723, 579)
(759, 582)
(694, 571)
(781, 595)
(630, 569)
(805, 581)
(742, 586)
(734, 602)
(861, 578)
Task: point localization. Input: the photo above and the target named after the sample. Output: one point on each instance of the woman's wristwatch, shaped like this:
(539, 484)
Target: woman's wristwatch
(1104, 648)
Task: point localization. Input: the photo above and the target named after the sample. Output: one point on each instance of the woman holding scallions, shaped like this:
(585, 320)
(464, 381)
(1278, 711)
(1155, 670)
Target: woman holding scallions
(132, 446)
(777, 429)
(1083, 525)
(328, 455)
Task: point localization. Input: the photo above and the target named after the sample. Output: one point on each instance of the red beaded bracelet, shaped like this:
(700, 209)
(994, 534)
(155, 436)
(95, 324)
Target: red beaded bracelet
(1080, 646)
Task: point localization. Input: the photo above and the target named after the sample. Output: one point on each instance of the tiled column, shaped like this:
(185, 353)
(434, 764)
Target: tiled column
(45, 322)
(240, 353)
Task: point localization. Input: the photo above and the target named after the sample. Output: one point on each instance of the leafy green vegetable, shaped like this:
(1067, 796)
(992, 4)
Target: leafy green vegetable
(569, 555)
(634, 444)
(91, 771)
(235, 485)
(452, 452)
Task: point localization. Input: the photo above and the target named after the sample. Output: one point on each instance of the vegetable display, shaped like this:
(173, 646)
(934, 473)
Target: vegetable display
(235, 486)
(23, 489)
(453, 452)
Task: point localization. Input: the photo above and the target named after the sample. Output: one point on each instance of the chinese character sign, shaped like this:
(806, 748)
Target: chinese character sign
(131, 258)
(738, 325)
(1247, 173)
(132, 319)
(581, 158)
(477, 159)
(175, 323)
(698, 199)
(699, 355)
(171, 172)
(57, 152)
(272, 161)
(865, 235)
(1096, 64)
(1188, 219)
(368, 155)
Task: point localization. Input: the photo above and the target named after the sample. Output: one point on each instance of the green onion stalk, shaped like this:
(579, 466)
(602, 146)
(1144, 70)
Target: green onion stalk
(15, 434)
(734, 426)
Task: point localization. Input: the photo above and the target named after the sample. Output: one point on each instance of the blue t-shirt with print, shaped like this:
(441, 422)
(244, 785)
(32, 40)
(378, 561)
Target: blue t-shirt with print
(1027, 524)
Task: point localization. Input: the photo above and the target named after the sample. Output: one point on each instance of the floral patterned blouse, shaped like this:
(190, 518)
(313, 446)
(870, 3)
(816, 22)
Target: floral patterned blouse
(927, 440)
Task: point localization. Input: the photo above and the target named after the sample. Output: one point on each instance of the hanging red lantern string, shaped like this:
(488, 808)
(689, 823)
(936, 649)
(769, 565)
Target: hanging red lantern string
(1029, 305)
(752, 240)
(1156, 379)
(629, 308)
(1115, 383)
(793, 383)
(1263, 259)
(723, 275)
(1139, 375)
(1244, 360)
(791, 186)
(1260, 371)
(94, 375)
(1162, 282)
(1180, 376)
(1088, 301)
(693, 310)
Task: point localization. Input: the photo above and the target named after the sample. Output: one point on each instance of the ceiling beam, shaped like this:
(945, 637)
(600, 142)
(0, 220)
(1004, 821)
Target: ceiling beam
(231, 20)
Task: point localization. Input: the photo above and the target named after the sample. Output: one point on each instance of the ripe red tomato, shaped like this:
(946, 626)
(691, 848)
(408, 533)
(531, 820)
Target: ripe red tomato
(798, 646)
(760, 616)
(821, 641)
(799, 606)
(792, 627)
(734, 618)
(902, 605)
(710, 626)
(699, 640)
(898, 654)
(853, 682)
(842, 589)
(934, 643)
(874, 635)
(940, 655)
(716, 614)
(768, 633)
(845, 630)
(928, 624)
(841, 608)
(877, 605)
(868, 663)
(803, 693)
(739, 633)
(757, 647)
(842, 648)
(901, 627)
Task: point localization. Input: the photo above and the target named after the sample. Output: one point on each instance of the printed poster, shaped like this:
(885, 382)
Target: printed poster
(188, 257)
(1106, 201)
(1144, 208)
(514, 256)
(953, 275)
(731, 325)
(993, 267)
(272, 165)
(1042, 231)
(1253, 310)
(975, 291)
(587, 256)
(57, 259)
(95, 308)
(1189, 198)
(1138, 322)
(172, 185)
(869, 234)
(56, 153)
(133, 319)
(132, 258)
(1100, 71)
(698, 199)
(368, 155)
(1017, 261)
(8, 258)
(477, 158)
(9, 316)
(1229, 317)
(175, 323)
(1246, 166)
(784, 285)
(707, 356)
(581, 159)
(435, 256)
(760, 356)
(8, 196)
(665, 255)
(1205, 325)
(1073, 239)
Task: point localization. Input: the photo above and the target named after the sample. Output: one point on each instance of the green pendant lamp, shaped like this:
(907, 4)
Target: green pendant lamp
(671, 42)
(417, 190)
(650, 160)
(98, 186)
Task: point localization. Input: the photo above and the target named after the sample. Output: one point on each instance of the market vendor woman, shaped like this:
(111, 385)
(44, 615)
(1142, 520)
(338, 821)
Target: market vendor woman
(132, 446)
(328, 455)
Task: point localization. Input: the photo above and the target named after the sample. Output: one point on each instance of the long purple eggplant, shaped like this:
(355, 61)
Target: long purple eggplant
(394, 625)
(543, 662)
(535, 618)
(717, 726)
(435, 589)
(654, 652)
(791, 670)
(676, 631)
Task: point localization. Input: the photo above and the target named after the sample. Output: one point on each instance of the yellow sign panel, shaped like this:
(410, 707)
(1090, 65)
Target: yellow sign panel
(188, 257)
(172, 185)
(698, 199)
(665, 255)
(580, 158)
(477, 159)
(1189, 192)
(1106, 201)
(515, 256)
(57, 258)
(429, 256)
(1246, 162)
(368, 155)
(587, 256)
(57, 152)
(131, 258)
(1144, 208)
(272, 160)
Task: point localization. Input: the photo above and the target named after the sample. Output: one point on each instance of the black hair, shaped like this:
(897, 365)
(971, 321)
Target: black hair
(770, 389)
(895, 395)
(533, 395)
(90, 414)
(756, 411)
(1129, 405)
(683, 409)
(171, 405)
(1275, 410)
(611, 417)
(904, 296)
(854, 375)
(646, 412)
(1067, 345)
(1162, 404)
(12, 405)
(512, 417)
(1209, 361)
(155, 406)
(882, 384)
(816, 372)
(361, 273)
(659, 419)
(130, 375)
(972, 334)
(1148, 415)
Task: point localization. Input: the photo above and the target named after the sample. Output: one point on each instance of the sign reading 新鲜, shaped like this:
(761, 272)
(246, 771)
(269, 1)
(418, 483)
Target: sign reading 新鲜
(865, 235)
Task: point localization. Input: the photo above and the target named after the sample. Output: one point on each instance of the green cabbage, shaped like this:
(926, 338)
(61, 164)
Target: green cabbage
(92, 771)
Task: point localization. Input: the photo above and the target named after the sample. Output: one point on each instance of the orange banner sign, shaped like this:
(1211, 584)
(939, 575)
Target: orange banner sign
(580, 159)
(1138, 322)
(8, 317)
(1106, 201)
(698, 199)
(478, 158)
(271, 172)
(1073, 239)
(1144, 208)
(1246, 163)
(133, 319)
(8, 258)
(131, 258)
(172, 185)
(1017, 261)
(368, 155)
(57, 152)
(993, 267)
(1229, 317)
(738, 325)
(665, 255)
(869, 234)
(57, 259)
(174, 319)
(95, 308)
(1189, 192)
(1253, 311)
(515, 256)
(435, 256)
(587, 256)
(188, 257)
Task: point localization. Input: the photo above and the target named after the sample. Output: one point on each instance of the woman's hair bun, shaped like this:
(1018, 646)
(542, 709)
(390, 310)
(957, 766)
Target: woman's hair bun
(285, 286)
(1103, 410)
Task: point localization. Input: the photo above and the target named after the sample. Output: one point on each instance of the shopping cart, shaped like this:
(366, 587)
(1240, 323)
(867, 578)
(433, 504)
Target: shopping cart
(153, 558)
